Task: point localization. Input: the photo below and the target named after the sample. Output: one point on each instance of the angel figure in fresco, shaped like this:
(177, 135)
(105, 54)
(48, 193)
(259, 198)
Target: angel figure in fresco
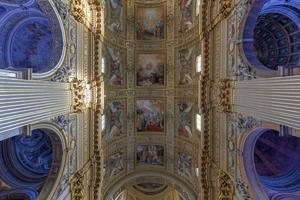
(186, 11)
(185, 121)
(115, 12)
(186, 66)
(115, 77)
(116, 164)
(116, 125)
(184, 165)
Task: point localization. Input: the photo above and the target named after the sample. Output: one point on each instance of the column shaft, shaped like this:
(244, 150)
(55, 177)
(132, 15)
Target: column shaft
(24, 102)
(271, 99)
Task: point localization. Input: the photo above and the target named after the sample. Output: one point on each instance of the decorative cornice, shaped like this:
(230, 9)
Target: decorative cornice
(226, 186)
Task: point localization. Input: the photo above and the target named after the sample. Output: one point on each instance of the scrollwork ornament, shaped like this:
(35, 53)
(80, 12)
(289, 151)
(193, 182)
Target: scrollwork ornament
(244, 123)
(62, 74)
(170, 19)
(226, 186)
(62, 121)
(63, 9)
(242, 188)
(244, 72)
(77, 186)
(241, 9)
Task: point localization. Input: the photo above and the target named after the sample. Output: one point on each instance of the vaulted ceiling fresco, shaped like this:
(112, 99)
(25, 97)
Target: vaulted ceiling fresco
(149, 54)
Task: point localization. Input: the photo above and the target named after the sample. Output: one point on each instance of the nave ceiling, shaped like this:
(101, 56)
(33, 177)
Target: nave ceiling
(150, 86)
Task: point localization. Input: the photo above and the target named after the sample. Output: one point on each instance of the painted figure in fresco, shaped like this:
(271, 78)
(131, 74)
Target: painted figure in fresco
(116, 125)
(149, 117)
(184, 165)
(150, 25)
(186, 66)
(150, 74)
(116, 164)
(115, 76)
(115, 15)
(185, 119)
(150, 154)
(186, 20)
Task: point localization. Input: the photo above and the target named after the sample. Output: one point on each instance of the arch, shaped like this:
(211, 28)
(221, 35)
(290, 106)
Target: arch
(32, 36)
(18, 194)
(264, 160)
(270, 34)
(34, 163)
(116, 187)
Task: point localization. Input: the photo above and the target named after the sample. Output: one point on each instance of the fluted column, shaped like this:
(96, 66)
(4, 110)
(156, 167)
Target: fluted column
(275, 99)
(24, 102)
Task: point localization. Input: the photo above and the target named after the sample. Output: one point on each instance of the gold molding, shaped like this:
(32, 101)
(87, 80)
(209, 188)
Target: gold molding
(226, 186)
(226, 87)
(77, 93)
(77, 11)
(77, 187)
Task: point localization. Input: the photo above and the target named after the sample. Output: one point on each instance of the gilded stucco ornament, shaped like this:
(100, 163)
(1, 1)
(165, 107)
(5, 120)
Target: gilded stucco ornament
(78, 96)
(62, 74)
(77, 10)
(226, 186)
(226, 87)
(226, 7)
(77, 187)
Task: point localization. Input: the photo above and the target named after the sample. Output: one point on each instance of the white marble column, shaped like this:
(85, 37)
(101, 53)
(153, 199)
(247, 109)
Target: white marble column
(25, 102)
(275, 99)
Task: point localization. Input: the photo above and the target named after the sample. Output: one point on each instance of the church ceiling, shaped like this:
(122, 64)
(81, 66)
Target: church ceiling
(149, 52)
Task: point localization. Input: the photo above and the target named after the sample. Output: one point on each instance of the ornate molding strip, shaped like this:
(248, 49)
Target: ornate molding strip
(204, 102)
(226, 186)
(77, 91)
(77, 11)
(77, 187)
(226, 7)
(226, 95)
(97, 158)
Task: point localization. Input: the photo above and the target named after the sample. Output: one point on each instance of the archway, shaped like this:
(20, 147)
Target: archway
(265, 158)
(31, 166)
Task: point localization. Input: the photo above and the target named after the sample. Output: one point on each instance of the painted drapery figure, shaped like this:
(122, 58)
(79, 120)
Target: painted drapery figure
(150, 69)
(116, 63)
(150, 23)
(150, 115)
(184, 165)
(115, 12)
(186, 21)
(150, 154)
(186, 60)
(116, 117)
(185, 119)
(115, 164)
